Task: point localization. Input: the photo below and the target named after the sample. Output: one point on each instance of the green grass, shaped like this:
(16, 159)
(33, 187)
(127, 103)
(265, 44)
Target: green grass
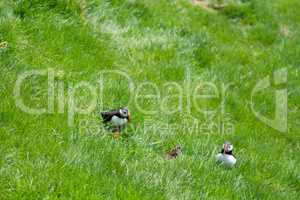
(43, 157)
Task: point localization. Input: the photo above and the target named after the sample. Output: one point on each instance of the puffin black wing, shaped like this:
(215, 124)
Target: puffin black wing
(106, 116)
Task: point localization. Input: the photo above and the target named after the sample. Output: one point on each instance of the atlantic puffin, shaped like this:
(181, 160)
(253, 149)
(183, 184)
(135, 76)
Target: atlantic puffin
(226, 156)
(115, 119)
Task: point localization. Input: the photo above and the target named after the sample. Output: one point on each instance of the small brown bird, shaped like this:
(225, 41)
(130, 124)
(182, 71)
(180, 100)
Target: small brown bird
(173, 153)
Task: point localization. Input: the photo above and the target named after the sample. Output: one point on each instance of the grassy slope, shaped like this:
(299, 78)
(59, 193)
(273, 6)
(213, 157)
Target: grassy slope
(157, 41)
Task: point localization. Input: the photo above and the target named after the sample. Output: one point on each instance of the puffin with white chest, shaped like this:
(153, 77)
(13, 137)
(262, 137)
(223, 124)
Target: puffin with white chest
(226, 156)
(116, 119)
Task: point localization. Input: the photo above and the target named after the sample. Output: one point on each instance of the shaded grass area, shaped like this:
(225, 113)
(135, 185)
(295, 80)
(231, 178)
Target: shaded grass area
(155, 41)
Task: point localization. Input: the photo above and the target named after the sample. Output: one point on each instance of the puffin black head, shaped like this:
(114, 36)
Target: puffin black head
(124, 112)
(227, 148)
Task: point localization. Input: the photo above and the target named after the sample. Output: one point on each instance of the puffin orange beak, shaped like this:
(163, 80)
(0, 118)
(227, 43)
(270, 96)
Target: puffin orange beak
(225, 147)
(128, 117)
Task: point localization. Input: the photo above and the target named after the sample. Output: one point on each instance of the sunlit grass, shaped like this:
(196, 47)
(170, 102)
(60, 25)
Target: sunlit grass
(158, 42)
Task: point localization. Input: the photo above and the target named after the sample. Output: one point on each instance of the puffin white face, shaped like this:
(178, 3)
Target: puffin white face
(178, 148)
(124, 112)
(227, 147)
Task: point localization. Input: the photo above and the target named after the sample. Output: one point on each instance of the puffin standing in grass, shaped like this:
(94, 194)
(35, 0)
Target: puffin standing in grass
(226, 156)
(116, 119)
